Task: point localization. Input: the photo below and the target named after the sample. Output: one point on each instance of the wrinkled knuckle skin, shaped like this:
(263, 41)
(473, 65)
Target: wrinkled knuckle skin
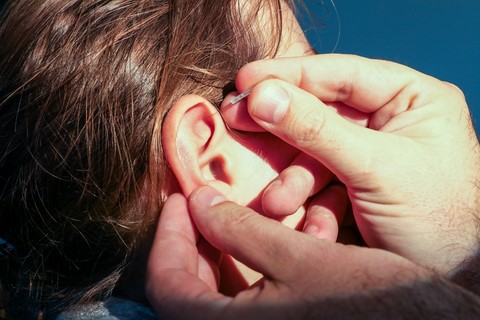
(233, 216)
(309, 131)
(345, 91)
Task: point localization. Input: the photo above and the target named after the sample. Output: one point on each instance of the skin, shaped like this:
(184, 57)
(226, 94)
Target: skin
(293, 43)
(242, 164)
(305, 277)
(378, 143)
(419, 217)
(310, 275)
(409, 159)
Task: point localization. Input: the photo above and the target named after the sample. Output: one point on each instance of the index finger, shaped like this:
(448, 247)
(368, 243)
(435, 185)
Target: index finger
(361, 83)
(172, 283)
(175, 230)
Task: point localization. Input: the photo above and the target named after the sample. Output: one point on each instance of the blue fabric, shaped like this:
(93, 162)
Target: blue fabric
(111, 309)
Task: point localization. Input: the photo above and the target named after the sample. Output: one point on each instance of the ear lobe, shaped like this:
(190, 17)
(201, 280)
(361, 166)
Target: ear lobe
(194, 138)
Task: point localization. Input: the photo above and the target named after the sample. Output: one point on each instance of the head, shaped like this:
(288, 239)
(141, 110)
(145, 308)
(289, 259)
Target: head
(106, 108)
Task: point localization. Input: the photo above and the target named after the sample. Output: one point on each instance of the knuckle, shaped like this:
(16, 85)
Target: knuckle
(234, 215)
(309, 130)
(345, 91)
(455, 101)
(455, 89)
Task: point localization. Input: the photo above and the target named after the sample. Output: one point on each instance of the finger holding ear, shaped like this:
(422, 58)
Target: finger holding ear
(240, 232)
(175, 226)
(179, 277)
(302, 179)
(236, 115)
(302, 120)
(416, 122)
(326, 213)
(360, 83)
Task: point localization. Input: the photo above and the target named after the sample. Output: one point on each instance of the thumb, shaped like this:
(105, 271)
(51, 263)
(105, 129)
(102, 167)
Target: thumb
(302, 120)
(258, 242)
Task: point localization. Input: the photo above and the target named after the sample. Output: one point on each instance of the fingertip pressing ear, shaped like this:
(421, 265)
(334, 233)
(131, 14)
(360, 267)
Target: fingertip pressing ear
(194, 138)
(237, 116)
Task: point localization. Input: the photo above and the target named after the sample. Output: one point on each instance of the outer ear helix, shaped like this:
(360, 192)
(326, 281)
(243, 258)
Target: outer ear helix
(193, 139)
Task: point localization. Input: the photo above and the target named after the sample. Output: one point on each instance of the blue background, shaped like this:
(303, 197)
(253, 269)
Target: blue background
(437, 37)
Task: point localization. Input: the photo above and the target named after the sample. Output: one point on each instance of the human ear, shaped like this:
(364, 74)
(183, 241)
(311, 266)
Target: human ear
(195, 142)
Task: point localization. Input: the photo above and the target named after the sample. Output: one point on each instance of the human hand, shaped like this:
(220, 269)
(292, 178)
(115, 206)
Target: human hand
(305, 277)
(402, 142)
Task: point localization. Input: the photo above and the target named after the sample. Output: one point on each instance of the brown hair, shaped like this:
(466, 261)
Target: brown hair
(81, 84)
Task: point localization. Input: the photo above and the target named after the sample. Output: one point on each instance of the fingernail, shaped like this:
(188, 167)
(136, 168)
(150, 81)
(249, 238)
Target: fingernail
(273, 103)
(208, 197)
(277, 183)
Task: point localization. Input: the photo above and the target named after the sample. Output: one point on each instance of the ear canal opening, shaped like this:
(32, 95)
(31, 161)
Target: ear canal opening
(218, 170)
